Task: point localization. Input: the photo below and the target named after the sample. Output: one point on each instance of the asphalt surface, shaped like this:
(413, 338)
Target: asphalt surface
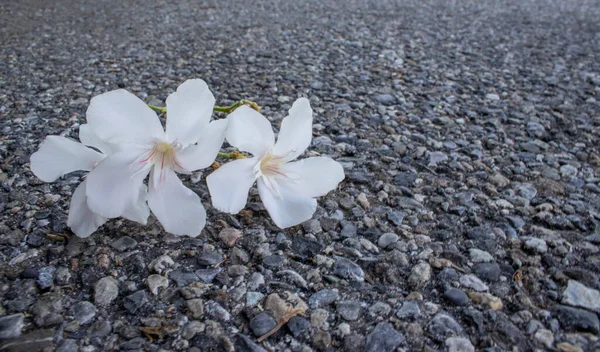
(468, 220)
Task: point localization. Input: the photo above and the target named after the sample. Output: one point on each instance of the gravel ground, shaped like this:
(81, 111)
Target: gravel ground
(468, 220)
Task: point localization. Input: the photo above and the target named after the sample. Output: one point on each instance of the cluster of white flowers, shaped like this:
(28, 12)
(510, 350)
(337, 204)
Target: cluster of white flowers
(123, 142)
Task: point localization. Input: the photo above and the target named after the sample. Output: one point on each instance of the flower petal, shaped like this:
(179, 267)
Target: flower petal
(120, 117)
(59, 156)
(202, 155)
(113, 186)
(289, 209)
(229, 185)
(82, 221)
(89, 138)
(140, 211)
(313, 177)
(188, 111)
(249, 131)
(177, 207)
(296, 131)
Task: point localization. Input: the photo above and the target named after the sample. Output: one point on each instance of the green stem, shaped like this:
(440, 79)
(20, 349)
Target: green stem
(226, 109)
(224, 155)
(236, 154)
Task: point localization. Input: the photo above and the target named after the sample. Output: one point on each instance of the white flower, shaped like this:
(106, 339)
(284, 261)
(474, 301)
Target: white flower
(144, 147)
(59, 156)
(286, 188)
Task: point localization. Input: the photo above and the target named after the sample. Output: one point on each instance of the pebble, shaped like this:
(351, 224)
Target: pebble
(135, 301)
(473, 282)
(84, 312)
(298, 325)
(106, 291)
(384, 338)
(349, 310)
(11, 325)
(262, 323)
(544, 337)
(575, 319)
(323, 298)
(479, 256)
(161, 264)
(209, 258)
(443, 325)
(489, 272)
(537, 245)
(347, 269)
(459, 344)
(387, 239)
(578, 295)
(420, 274)
(409, 310)
(124, 243)
(156, 282)
(229, 236)
(456, 296)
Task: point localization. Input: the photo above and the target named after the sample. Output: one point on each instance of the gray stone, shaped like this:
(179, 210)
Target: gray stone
(578, 295)
(262, 323)
(207, 275)
(135, 301)
(459, 344)
(479, 256)
(385, 99)
(100, 328)
(420, 274)
(323, 298)
(10, 326)
(574, 319)
(349, 310)
(243, 343)
(183, 277)
(196, 307)
(155, 282)
(456, 296)
(409, 310)
(84, 312)
(387, 239)
(384, 338)
(209, 258)
(124, 243)
(443, 326)
(106, 290)
(537, 245)
(396, 217)
(488, 271)
(347, 269)
(273, 261)
(68, 345)
(473, 282)
(46, 277)
(298, 325)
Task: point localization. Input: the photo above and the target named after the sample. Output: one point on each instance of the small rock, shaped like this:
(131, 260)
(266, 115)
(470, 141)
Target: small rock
(183, 277)
(161, 264)
(396, 217)
(323, 298)
(229, 236)
(409, 310)
(536, 244)
(492, 96)
(10, 326)
(443, 325)
(196, 307)
(100, 328)
(68, 345)
(349, 310)
(321, 340)
(318, 318)
(347, 269)
(215, 311)
(379, 309)
(479, 256)
(209, 258)
(273, 261)
(84, 312)
(106, 290)
(459, 344)
(420, 274)
(488, 271)
(545, 337)
(262, 324)
(135, 301)
(298, 325)
(579, 295)
(243, 343)
(491, 301)
(155, 282)
(252, 298)
(312, 226)
(385, 99)
(192, 328)
(574, 319)
(473, 282)
(384, 338)
(46, 277)
(499, 181)
(124, 243)
(387, 239)
(456, 296)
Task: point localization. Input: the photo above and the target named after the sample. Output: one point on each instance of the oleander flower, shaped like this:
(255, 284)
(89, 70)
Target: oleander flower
(287, 188)
(58, 156)
(190, 142)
